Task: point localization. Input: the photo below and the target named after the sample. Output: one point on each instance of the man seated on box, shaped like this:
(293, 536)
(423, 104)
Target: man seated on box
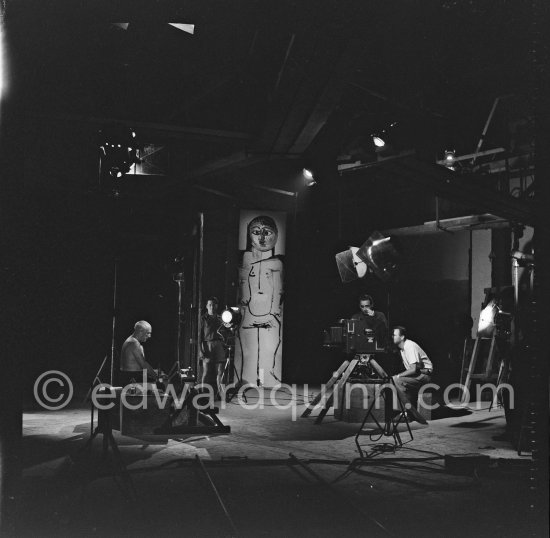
(133, 365)
(418, 367)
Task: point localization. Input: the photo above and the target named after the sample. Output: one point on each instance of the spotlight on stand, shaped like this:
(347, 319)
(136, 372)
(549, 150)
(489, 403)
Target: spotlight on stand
(377, 254)
(118, 150)
(231, 317)
(493, 320)
(523, 258)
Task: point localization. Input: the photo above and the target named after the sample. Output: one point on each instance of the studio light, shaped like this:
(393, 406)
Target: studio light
(377, 254)
(231, 317)
(118, 150)
(486, 324)
(493, 320)
(309, 179)
(380, 255)
(384, 138)
(378, 141)
(450, 157)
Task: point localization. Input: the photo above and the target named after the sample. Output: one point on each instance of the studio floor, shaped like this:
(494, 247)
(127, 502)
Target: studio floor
(277, 475)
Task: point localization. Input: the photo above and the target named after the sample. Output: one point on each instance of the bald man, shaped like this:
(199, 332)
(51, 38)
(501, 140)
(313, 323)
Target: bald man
(132, 357)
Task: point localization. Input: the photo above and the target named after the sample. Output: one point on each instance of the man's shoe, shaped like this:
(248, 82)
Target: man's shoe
(415, 415)
(396, 415)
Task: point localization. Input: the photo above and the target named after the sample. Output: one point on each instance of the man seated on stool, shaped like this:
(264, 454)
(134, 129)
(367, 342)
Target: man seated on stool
(418, 370)
(132, 358)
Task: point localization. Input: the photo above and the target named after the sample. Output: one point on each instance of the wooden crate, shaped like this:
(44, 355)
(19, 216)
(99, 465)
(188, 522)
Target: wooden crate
(146, 418)
(354, 400)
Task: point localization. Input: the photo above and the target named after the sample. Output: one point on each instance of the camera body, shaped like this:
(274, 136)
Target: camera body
(353, 336)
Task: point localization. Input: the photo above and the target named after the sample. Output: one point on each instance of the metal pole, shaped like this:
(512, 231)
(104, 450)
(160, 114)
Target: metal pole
(515, 269)
(487, 123)
(113, 325)
(197, 292)
(178, 343)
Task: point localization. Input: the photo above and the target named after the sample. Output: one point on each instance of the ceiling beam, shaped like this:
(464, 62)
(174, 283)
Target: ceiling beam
(225, 164)
(174, 131)
(330, 96)
(462, 188)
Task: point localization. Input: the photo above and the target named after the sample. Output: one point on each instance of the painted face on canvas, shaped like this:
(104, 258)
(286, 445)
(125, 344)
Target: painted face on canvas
(263, 237)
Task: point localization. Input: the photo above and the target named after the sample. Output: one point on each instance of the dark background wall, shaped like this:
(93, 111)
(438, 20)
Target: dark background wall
(67, 245)
(64, 234)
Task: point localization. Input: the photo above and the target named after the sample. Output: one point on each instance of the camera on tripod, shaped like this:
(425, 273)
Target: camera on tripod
(354, 336)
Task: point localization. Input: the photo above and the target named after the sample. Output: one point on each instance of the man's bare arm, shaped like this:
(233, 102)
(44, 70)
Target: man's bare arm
(137, 353)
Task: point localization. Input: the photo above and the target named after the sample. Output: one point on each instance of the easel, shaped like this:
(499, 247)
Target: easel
(332, 387)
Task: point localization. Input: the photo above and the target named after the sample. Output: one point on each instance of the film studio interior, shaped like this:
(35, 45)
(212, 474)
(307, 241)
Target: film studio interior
(274, 268)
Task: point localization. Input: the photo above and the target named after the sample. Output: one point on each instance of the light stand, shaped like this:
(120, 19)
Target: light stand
(179, 278)
(113, 323)
(229, 368)
(118, 152)
(231, 320)
(115, 196)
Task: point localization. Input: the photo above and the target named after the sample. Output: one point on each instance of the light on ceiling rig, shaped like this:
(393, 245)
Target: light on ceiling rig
(383, 139)
(309, 178)
(118, 150)
(450, 157)
(378, 141)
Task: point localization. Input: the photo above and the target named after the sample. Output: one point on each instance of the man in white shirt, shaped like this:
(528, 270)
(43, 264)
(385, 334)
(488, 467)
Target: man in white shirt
(418, 367)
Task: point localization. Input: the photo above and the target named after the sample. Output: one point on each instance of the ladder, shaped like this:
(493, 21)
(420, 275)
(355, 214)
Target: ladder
(487, 373)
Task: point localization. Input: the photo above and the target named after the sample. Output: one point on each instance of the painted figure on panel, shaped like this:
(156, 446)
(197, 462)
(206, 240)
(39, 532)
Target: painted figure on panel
(261, 294)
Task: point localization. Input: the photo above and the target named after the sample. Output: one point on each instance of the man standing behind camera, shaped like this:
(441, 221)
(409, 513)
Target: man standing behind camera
(374, 320)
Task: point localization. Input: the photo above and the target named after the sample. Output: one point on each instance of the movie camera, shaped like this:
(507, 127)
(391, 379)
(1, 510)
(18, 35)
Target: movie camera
(354, 336)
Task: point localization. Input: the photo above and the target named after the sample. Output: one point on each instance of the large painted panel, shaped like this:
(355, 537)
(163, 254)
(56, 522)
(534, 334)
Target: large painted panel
(259, 348)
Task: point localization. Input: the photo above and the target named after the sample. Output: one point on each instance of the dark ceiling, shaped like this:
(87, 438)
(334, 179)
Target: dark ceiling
(274, 81)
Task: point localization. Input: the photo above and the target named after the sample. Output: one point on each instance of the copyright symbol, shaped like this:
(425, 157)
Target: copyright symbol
(53, 390)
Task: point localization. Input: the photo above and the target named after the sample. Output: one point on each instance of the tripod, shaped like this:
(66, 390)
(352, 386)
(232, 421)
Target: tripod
(230, 369)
